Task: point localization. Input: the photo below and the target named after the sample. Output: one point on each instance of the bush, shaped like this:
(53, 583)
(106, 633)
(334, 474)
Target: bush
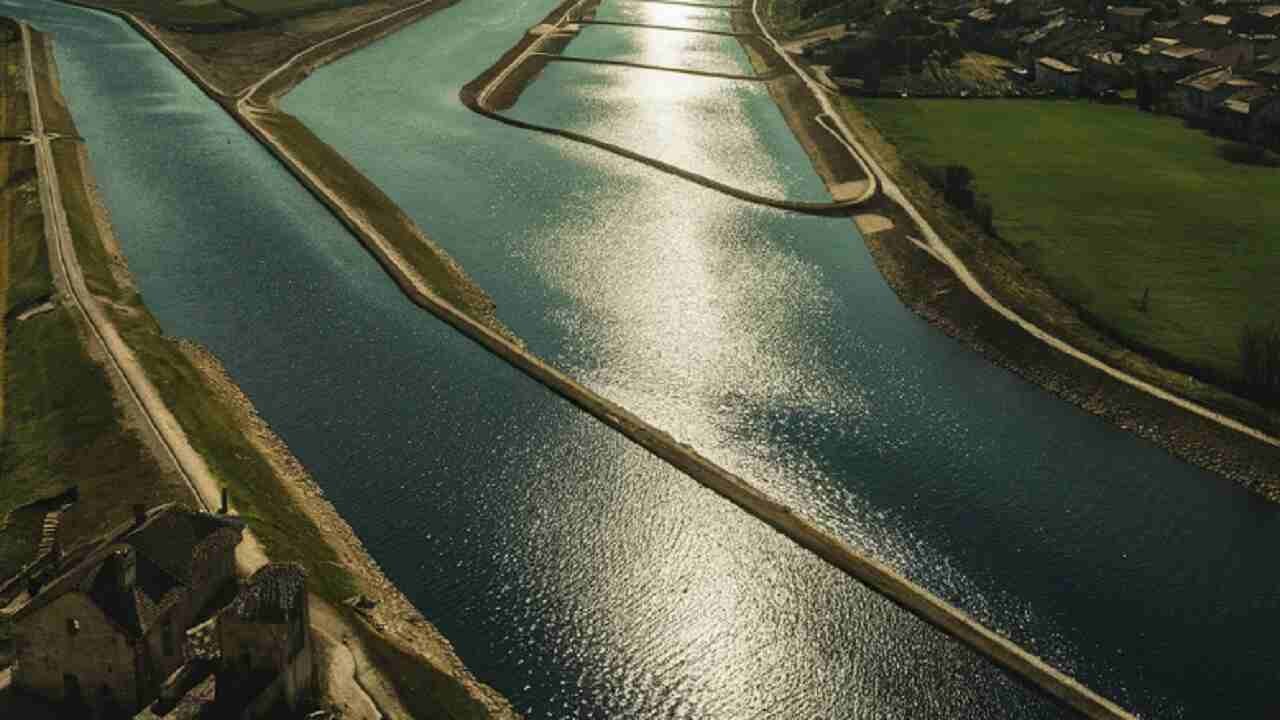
(1247, 154)
(1260, 360)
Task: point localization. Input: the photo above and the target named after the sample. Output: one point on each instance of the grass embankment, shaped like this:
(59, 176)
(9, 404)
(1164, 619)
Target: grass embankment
(61, 426)
(209, 421)
(444, 276)
(1105, 204)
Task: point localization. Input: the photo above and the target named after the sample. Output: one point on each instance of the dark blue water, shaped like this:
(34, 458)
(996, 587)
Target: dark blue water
(574, 572)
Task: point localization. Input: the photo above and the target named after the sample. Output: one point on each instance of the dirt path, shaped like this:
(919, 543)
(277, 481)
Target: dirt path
(141, 392)
(938, 248)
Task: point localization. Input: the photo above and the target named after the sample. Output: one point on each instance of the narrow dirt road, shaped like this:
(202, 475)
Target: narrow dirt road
(940, 250)
(158, 420)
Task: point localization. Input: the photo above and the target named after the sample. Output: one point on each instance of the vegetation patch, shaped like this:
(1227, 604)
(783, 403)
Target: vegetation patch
(1141, 225)
(209, 422)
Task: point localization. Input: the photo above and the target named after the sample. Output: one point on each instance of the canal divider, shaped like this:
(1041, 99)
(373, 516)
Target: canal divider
(661, 444)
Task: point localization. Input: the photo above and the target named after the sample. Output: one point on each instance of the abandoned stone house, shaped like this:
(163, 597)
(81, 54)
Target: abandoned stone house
(104, 629)
(1057, 76)
(265, 648)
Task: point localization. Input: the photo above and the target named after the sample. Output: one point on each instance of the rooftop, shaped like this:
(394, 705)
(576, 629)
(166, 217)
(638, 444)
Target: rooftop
(274, 594)
(160, 548)
(1108, 57)
(1269, 11)
(1057, 65)
(1216, 20)
(1207, 80)
(1128, 10)
(1179, 52)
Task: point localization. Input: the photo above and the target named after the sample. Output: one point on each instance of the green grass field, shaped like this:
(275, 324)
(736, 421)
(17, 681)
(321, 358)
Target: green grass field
(1105, 202)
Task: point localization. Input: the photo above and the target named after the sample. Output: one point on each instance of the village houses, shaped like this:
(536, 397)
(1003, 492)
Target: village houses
(103, 630)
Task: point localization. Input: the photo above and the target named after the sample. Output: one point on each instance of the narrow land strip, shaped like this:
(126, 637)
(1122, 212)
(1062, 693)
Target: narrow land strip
(453, 691)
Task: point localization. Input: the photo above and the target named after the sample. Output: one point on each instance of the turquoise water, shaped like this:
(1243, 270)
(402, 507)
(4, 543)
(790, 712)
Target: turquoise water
(710, 53)
(573, 571)
(742, 140)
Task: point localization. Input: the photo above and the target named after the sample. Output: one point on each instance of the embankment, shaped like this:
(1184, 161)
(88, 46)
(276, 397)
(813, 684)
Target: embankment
(929, 287)
(351, 196)
(284, 508)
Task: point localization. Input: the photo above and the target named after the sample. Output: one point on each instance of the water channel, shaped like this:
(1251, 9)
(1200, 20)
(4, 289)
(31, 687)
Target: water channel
(574, 572)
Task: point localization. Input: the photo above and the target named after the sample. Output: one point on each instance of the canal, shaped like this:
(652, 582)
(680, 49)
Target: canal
(574, 572)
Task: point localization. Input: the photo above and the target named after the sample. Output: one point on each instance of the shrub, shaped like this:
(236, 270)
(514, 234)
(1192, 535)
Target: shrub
(1247, 154)
(985, 216)
(1260, 360)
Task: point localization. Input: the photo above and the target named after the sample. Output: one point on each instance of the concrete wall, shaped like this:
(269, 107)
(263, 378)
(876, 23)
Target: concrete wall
(97, 654)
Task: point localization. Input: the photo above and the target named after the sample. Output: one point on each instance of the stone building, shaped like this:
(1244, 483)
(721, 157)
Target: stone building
(1128, 20)
(1053, 74)
(264, 640)
(101, 630)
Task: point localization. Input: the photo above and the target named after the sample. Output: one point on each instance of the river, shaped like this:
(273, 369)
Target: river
(574, 572)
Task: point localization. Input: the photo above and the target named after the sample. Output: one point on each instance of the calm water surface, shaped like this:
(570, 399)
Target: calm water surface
(573, 571)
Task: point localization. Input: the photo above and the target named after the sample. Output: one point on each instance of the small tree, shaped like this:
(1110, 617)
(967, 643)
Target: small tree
(958, 190)
(1144, 92)
(985, 216)
(871, 77)
(1260, 359)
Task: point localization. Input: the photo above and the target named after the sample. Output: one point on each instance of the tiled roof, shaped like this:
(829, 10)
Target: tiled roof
(1179, 52)
(1129, 11)
(1058, 65)
(162, 547)
(274, 594)
(1207, 80)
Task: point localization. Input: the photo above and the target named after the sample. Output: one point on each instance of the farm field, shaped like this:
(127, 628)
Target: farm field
(1108, 205)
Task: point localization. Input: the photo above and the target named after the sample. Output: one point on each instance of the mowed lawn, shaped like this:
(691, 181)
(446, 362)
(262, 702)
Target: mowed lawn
(1105, 202)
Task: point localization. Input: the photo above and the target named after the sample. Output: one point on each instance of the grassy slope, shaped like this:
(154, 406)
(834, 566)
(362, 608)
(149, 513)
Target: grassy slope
(1104, 202)
(60, 426)
(209, 422)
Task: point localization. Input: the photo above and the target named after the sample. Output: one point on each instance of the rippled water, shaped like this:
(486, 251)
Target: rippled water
(728, 130)
(679, 16)
(693, 51)
(572, 570)
(770, 342)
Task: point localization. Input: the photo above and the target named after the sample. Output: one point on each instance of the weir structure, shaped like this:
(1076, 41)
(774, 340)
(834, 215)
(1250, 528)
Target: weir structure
(835, 551)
